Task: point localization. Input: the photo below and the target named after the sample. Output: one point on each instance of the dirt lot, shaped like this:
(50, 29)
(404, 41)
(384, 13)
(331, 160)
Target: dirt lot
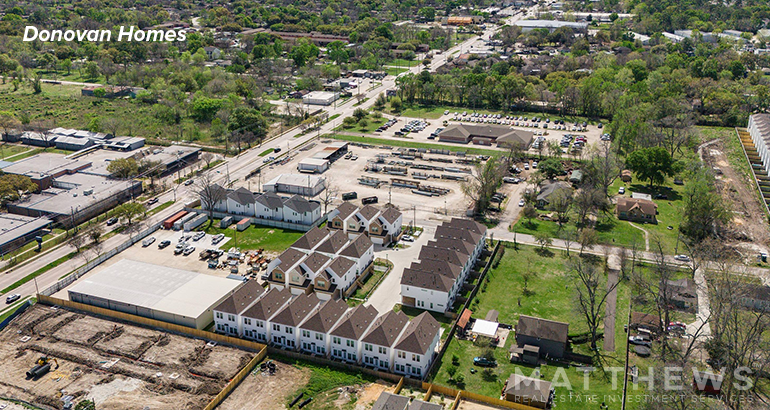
(120, 366)
(263, 391)
(470, 405)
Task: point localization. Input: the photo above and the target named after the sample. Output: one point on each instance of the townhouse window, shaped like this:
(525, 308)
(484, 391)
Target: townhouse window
(321, 350)
(279, 275)
(231, 318)
(260, 324)
(247, 321)
(368, 347)
(417, 370)
(415, 358)
(277, 327)
(219, 315)
(319, 336)
(375, 229)
(260, 336)
(402, 355)
(382, 350)
(305, 333)
(336, 340)
(349, 343)
(322, 283)
(276, 339)
(289, 330)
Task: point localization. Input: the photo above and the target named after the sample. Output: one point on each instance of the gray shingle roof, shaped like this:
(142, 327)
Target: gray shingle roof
(386, 329)
(419, 334)
(311, 238)
(316, 261)
(340, 266)
(357, 247)
(270, 200)
(426, 280)
(390, 215)
(542, 328)
(355, 322)
(390, 401)
(268, 305)
(334, 242)
(241, 298)
(300, 204)
(296, 311)
(369, 212)
(346, 209)
(242, 196)
(325, 316)
(289, 258)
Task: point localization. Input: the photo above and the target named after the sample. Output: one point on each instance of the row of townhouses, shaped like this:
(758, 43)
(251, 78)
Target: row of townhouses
(443, 265)
(382, 226)
(323, 261)
(329, 328)
(269, 205)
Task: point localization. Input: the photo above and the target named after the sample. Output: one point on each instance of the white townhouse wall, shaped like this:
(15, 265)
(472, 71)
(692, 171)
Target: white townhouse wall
(285, 268)
(311, 267)
(283, 325)
(314, 331)
(759, 129)
(431, 284)
(269, 206)
(343, 217)
(416, 347)
(361, 251)
(255, 320)
(378, 342)
(346, 335)
(301, 211)
(366, 216)
(227, 315)
(221, 205)
(241, 202)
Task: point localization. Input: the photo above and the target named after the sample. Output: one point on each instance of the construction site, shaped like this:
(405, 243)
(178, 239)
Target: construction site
(52, 356)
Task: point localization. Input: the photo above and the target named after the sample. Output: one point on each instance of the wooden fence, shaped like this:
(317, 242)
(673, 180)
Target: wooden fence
(245, 371)
(337, 364)
(464, 394)
(399, 386)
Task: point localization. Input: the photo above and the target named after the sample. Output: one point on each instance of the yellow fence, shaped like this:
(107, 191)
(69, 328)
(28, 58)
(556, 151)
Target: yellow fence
(399, 386)
(201, 334)
(219, 398)
(463, 394)
(428, 393)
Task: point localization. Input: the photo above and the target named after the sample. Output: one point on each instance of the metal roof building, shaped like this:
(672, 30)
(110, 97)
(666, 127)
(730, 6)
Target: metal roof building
(305, 185)
(157, 292)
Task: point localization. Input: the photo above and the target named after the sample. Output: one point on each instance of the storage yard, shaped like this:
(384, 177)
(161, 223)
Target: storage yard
(120, 366)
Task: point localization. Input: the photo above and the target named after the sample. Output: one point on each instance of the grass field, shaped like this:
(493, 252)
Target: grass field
(323, 384)
(395, 70)
(411, 144)
(265, 152)
(257, 237)
(371, 125)
(9, 151)
(400, 62)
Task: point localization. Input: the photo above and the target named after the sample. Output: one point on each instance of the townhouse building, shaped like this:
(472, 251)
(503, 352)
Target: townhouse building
(270, 206)
(347, 333)
(283, 326)
(415, 348)
(314, 331)
(255, 319)
(382, 335)
(444, 265)
(382, 226)
(227, 313)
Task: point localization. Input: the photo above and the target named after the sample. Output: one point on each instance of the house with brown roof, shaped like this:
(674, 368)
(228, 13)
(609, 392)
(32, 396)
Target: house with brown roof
(486, 134)
(681, 293)
(314, 331)
(227, 313)
(415, 348)
(342, 217)
(347, 334)
(254, 320)
(647, 321)
(528, 391)
(549, 336)
(283, 326)
(379, 339)
(382, 226)
(637, 210)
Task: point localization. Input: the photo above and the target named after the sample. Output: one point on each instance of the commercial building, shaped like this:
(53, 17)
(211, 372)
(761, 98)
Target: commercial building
(157, 292)
(444, 264)
(320, 97)
(305, 185)
(171, 158)
(332, 152)
(550, 25)
(17, 230)
(43, 168)
(74, 140)
(313, 165)
(486, 135)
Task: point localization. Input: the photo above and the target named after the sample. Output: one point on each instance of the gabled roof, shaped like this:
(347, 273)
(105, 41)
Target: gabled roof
(390, 401)
(340, 266)
(270, 200)
(419, 334)
(542, 328)
(241, 298)
(268, 305)
(346, 209)
(311, 238)
(647, 207)
(369, 212)
(290, 258)
(461, 223)
(438, 266)
(390, 215)
(386, 329)
(325, 316)
(334, 242)
(443, 231)
(424, 405)
(528, 388)
(296, 311)
(432, 252)
(355, 322)
(316, 261)
(549, 188)
(357, 247)
(426, 280)
(301, 205)
(242, 196)
(457, 245)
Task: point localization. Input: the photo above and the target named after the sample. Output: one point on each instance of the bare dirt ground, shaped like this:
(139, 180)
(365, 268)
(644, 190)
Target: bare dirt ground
(748, 215)
(369, 394)
(121, 366)
(469, 405)
(263, 391)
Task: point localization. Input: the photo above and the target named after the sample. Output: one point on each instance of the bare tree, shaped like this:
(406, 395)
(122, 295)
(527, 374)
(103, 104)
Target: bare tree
(561, 203)
(77, 241)
(111, 125)
(207, 157)
(210, 193)
(591, 293)
(587, 238)
(567, 235)
(602, 167)
(329, 194)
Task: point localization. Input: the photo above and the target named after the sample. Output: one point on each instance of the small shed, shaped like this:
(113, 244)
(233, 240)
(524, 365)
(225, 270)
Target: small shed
(576, 177)
(625, 175)
(225, 222)
(485, 328)
(243, 224)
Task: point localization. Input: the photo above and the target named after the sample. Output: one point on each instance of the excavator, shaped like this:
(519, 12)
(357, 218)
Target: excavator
(42, 366)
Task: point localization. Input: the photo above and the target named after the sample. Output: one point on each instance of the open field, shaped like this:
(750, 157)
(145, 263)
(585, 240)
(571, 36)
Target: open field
(120, 366)
(255, 237)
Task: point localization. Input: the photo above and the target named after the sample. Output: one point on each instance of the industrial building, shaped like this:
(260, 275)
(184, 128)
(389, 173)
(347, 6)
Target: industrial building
(313, 165)
(17, 230)
(333, 152)
(320, 98)
(486, 135)
(157, 292)
(43, 168)
(550, 25)
(305, 185)
(171, 158)
(74, 140)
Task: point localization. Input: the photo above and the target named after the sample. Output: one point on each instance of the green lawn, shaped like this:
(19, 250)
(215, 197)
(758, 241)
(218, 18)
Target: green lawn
(411, 144)
(371, 125)
(9, 150)
(257, 237)
(373, 280)
(160, 208)
(265, 152)
(402, 63)
(395, 70)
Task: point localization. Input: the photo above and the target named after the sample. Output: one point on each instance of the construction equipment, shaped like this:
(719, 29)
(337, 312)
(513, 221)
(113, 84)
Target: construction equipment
(42, 366)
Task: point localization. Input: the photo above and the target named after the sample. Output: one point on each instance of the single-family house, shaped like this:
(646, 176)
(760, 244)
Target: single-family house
(529, 391)
(390, 401)
(269, 206)
(548, 190)
(549, 336)
(637, 210)
(299, 210)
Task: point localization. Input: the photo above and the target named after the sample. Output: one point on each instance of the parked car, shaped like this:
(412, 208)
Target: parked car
(484, 362)
(622, 190)
(152, 201)
(638, 340)
(370, 200)
(682, 258)
(188, 250)
(189, 182)
(511, 180)
(147, 242)
(268, 159)
(407, 238)
(534, 164)
(164, 244)
(12, 298)
(217, 238)
(522, 203)
(199, 235)
(276, 149)
(347, 196)
(661, 196)
(112, 221)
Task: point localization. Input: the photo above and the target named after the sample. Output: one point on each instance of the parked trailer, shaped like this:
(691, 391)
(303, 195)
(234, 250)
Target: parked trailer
(243, 224)
(178, 225)
(193, 203)
(426, 193)
(225, 222)
(195, 222)
(169, 223)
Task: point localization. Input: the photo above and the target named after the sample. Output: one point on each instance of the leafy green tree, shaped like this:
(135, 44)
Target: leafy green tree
(12, 187)
(704, 209)
(651, 164)
(123, 168)
(130, 211)
(550, 168)
(204, 109)
(427, 13)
